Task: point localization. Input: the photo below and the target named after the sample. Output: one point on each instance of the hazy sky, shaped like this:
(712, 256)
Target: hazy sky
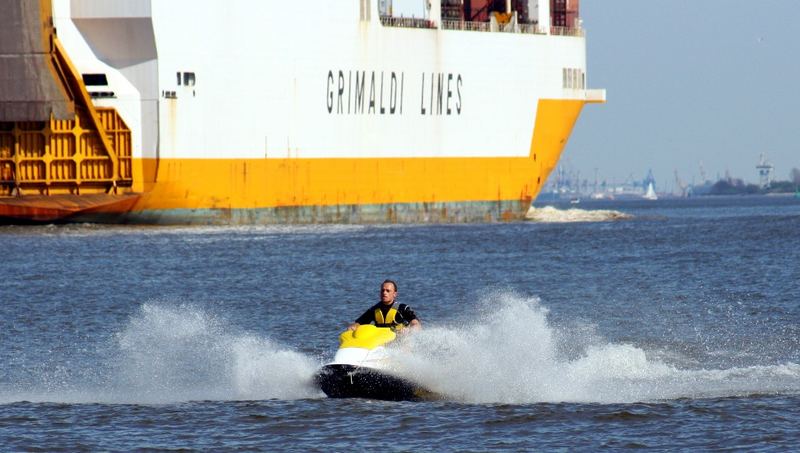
(690, 81)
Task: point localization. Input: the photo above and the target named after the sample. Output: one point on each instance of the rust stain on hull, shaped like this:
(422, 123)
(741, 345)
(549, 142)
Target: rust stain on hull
(60, 208)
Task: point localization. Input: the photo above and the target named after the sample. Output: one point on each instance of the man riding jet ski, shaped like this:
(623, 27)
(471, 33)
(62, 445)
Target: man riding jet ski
(385, 314)
(361, 367)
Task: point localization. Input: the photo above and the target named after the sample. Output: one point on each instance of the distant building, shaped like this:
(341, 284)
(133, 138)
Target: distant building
(765, 170)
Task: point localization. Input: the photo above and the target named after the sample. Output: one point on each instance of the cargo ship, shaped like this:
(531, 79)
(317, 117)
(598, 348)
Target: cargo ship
(274, 112)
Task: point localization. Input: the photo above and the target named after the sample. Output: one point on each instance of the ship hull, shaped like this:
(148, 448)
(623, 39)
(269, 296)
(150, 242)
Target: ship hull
(414, 213)
(63, 208)
(352, 190)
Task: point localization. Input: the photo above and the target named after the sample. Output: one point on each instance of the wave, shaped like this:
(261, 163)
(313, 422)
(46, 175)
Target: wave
(182, 353)
(549, 214)
(188, 354)
(247, 231)
(515, 356)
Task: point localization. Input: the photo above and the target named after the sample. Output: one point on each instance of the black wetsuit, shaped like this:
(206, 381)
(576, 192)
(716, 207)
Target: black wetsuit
(404, 314)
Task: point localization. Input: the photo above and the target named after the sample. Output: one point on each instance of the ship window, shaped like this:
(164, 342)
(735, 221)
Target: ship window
(188, 79)
(95, 80)
(101, 94)
(179, 78)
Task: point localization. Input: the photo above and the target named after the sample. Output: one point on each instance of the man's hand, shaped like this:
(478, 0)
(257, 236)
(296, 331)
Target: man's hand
(413, 326)
(353, 326)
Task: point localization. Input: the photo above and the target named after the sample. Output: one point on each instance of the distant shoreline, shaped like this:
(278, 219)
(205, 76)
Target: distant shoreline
(576, 202)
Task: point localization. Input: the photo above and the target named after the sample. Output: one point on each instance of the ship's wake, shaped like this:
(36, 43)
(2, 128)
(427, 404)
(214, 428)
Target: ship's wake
(508, 352)
(549, 214)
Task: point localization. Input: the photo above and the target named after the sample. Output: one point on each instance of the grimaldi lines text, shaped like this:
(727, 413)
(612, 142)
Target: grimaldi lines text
(383, 92)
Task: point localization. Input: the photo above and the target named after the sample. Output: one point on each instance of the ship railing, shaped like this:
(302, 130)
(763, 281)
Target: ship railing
(567, 31)
(465, 25)
(407, 22)
(532, 29)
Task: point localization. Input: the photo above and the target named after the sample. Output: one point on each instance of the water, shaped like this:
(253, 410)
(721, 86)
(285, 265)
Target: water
(667, 324)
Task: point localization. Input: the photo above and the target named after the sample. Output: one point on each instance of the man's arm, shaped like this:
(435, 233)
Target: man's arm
(413, 321)
(365, 318)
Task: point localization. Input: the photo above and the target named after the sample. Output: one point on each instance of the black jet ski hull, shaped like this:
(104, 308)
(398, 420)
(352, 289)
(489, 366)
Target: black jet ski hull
(350, 381)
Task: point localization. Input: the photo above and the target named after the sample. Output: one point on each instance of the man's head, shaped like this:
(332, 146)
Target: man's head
(388, 292)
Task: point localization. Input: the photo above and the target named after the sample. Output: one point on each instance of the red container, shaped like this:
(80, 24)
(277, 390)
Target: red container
(564, 13)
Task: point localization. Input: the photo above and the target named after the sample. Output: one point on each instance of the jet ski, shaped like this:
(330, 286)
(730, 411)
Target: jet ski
(362, 368)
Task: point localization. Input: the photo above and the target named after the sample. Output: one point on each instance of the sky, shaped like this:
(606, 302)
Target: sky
(715, 82)
(689, 83)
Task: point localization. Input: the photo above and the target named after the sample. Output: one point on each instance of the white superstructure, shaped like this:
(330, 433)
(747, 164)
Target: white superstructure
(288, 86)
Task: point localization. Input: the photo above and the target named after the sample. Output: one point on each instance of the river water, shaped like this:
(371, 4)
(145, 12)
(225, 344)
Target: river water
(666, 324)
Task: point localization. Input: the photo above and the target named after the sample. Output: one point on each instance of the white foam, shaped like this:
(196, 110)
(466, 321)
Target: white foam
(180, 353)
(514, 356)
(184, 353)
(187, 232)
(549, 214)
(506, 353)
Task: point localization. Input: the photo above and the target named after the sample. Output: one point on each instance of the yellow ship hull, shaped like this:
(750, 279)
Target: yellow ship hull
(353, 189)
